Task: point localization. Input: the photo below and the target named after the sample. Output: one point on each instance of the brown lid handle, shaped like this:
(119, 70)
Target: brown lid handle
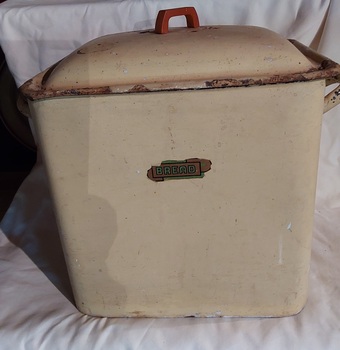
(162, 21)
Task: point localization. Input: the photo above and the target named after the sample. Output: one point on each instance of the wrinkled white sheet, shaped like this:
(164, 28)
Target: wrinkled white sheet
(36, 308)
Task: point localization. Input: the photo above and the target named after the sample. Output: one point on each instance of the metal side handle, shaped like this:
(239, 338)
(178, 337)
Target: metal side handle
(333, 98)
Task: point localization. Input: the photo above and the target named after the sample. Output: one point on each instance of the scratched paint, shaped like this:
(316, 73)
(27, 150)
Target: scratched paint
(280, 259)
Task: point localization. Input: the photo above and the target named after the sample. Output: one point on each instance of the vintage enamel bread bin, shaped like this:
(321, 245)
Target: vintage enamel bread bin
(182, 167)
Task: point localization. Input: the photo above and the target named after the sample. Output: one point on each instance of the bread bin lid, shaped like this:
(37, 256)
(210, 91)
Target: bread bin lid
(194, 57)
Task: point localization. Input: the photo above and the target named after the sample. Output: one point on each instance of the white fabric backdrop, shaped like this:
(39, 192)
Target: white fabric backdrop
(36, 310)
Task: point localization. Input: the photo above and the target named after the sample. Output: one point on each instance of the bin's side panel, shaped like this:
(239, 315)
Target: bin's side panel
(236, 241)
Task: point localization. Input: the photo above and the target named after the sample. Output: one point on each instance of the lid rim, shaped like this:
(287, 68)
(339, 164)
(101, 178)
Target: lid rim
(331, 72)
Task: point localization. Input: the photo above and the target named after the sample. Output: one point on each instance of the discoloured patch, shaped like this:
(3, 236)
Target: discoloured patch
(138, 314)
(139, 88)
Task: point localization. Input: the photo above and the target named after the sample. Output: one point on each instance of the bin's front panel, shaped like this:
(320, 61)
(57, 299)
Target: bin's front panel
(235, 241)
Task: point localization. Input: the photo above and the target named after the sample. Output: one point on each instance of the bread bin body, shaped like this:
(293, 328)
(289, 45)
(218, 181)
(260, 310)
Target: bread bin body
(183, 179)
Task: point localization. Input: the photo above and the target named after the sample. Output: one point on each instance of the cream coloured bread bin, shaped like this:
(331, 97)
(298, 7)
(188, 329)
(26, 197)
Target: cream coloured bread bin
(182, 165)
